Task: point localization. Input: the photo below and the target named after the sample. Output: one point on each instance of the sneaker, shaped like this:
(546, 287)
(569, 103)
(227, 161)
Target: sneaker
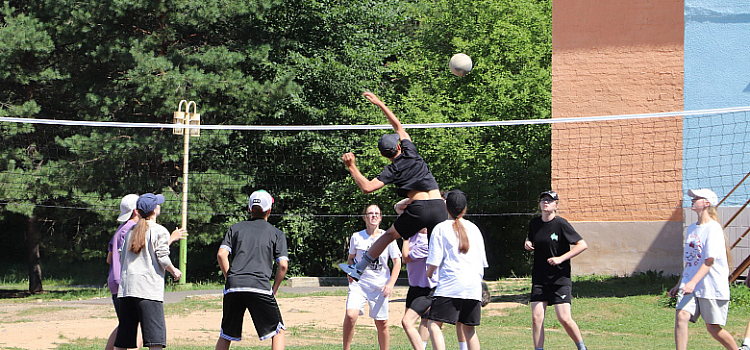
(744, 347)
(351, 271)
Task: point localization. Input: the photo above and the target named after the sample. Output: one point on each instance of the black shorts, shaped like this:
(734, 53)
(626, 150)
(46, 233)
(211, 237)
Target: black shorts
(452, 310)
(263, 309)
(551, 293)
(150, 314)
(420, 214)
(116, 303)
(419, 299)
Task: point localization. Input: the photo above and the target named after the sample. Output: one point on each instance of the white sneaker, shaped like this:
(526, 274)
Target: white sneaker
(744, 347)
(350, 270)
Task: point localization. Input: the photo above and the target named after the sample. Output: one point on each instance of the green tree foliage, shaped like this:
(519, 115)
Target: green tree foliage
(264, 62)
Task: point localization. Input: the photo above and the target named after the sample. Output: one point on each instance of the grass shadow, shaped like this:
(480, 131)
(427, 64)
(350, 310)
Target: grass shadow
(640, 283)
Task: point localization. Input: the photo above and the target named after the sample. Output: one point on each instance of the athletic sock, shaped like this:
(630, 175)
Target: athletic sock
(581, 346)
(366, 260)
(746, 342)
(424, 345)
(462, 346)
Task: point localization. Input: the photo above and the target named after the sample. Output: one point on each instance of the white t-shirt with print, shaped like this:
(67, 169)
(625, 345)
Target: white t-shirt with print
(377, 273)
(703, 242)
(460, 274)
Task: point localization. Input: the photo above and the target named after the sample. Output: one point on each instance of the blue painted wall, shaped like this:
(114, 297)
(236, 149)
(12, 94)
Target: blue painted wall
(716, 149)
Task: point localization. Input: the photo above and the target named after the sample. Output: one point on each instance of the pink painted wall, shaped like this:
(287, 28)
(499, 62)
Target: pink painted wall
(617, 57)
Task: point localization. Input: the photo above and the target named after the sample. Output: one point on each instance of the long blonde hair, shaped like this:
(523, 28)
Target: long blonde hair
(713, 212)
(138, 237)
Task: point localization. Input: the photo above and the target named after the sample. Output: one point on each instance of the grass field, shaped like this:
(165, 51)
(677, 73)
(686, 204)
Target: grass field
(612, 312)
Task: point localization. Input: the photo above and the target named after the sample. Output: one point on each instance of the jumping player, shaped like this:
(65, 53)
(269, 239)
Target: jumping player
(410, 173)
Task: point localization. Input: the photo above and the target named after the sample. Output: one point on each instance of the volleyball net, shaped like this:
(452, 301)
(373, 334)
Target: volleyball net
(71, 175)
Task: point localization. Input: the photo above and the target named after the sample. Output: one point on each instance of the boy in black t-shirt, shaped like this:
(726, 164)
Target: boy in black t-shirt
(550, 238)
(255, 244)
(413, 179)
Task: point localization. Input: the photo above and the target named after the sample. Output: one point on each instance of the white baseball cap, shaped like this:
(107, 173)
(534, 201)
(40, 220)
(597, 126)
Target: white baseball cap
(261, 198)
(127, 205)
(705, 193)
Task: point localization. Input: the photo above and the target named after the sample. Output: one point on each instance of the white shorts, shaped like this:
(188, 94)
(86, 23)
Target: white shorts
(713, 311)
(360, 293)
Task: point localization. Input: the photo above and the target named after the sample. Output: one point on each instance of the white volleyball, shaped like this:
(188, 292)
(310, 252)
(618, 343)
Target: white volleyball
(460, 64)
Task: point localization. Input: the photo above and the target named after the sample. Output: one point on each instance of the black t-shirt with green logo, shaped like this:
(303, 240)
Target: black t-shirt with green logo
(551, 239)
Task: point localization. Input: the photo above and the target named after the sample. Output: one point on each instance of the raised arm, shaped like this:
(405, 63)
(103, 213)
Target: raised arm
(395, 123)
(367, 186)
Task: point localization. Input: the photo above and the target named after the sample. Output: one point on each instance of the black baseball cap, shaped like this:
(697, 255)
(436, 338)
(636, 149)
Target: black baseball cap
(455, 202)
(388, 143)
(551, 194)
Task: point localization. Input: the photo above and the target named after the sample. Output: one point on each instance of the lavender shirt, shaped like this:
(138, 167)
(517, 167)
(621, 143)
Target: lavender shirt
(417, 268)
(115, 245)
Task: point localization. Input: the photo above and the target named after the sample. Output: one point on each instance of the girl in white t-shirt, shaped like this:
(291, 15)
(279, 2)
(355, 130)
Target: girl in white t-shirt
(703, 289)
(457, 249)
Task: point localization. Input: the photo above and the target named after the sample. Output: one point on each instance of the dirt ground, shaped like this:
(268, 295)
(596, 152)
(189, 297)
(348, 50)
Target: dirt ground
(313, 319)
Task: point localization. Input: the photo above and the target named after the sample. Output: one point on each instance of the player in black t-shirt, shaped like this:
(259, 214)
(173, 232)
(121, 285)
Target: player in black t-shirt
(254, 244)
(550, 238)
(413, 179)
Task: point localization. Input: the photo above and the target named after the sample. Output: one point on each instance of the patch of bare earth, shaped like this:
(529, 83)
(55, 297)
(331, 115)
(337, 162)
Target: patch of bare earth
(309, 320)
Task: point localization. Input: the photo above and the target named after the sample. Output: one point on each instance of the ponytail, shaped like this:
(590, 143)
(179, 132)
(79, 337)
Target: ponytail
(138, 237)
(714, 214)
(463, 239)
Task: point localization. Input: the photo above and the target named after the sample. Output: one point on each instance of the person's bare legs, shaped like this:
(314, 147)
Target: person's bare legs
(436, 334)
(722, 336)
(350, 320)
(469, 335)
(424, 332)
(414, 335)
(681, 320)
(538, 309)
(278, 341)
(384, 336)
(460, 336)
(222, 344)
(571, 327)
(111, 340)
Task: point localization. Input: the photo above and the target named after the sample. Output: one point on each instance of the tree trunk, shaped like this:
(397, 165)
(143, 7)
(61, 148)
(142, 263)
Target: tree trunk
(35, 267)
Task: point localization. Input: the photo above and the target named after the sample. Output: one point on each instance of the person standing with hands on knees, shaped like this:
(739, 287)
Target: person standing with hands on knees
(255, 245)
(413, 179)
(550, 237)
(375, 284)
(703, 289)
(144, 261)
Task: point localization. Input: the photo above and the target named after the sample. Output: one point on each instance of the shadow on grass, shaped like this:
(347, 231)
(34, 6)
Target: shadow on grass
(69, 293)
(641, 283)
(14, 294)
(592, 286)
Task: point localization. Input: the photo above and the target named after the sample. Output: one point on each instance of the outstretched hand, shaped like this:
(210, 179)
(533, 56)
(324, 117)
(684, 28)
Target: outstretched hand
(178, 234)
(372, 98)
